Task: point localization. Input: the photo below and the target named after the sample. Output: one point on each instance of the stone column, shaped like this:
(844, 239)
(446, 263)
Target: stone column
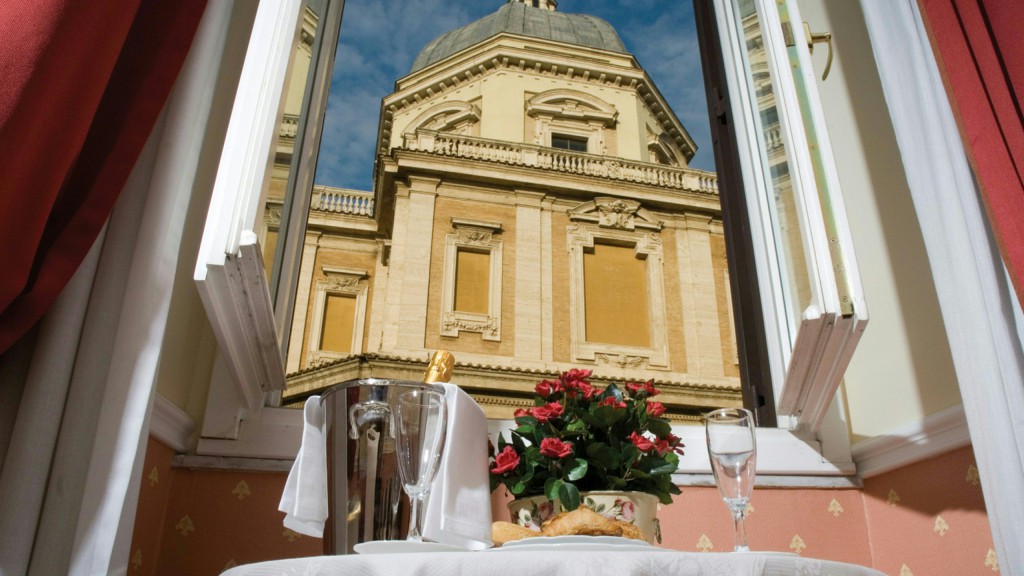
(410, 262)
(302, 291)
(700, 304)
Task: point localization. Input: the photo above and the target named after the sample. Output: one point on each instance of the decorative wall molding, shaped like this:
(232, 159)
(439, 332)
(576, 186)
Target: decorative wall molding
(583, 233)
(934, 435)
(338, 281)
(478, 235)
(170, 424)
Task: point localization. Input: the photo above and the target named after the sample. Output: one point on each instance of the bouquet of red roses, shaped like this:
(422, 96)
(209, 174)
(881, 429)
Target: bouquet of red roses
(579, 438)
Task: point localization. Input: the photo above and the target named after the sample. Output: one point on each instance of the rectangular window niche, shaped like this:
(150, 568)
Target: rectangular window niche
(471, 296)
(339, 313)
(597, 241)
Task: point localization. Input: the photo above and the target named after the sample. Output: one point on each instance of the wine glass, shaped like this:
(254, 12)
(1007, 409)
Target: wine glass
(733, 452)
(422, 427)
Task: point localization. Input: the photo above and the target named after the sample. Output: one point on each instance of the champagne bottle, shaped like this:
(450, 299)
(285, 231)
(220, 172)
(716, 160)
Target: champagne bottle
(440, 367)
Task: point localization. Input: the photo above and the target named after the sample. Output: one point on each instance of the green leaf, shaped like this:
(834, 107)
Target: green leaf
(578, 471)
(525, 429)
(630, 454)
(518, 487)
(518, 444)
(663, 468)
(616, 483)
(576, 426)
(604, 455)
(552, 488)
(660, 427)
(569, 496)
(526, 420)
(611, 391)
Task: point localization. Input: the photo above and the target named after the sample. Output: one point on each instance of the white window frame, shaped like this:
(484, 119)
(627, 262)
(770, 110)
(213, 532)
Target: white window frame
(479, 236)
(232, 283)
(347, 282)
(808, 360)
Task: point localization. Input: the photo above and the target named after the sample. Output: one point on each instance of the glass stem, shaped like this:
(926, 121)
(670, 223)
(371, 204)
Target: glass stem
(414, 519)
(740, 531)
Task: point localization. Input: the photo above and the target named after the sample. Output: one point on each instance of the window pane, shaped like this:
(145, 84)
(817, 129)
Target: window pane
(575, 144)
(615, 294)
(782, 204)
(472, 282)
(339, 315)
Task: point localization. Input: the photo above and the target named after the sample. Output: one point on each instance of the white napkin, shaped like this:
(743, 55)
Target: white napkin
(459, 505)
(304, 500)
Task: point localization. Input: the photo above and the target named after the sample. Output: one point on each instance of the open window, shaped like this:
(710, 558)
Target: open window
(798, 303)
(802, 309)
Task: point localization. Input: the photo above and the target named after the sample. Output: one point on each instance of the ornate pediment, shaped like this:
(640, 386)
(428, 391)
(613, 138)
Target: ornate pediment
(615, 213)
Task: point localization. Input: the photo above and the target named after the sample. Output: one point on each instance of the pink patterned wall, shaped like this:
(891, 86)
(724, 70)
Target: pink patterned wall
(927, 519)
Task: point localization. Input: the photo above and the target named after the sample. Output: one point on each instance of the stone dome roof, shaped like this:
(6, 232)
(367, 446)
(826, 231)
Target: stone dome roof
(519, 18)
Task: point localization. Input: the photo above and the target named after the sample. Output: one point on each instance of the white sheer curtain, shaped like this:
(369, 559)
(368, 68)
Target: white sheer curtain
(981, 313)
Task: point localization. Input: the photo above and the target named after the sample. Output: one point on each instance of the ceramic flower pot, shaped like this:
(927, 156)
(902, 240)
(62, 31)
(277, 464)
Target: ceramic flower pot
(637, 508)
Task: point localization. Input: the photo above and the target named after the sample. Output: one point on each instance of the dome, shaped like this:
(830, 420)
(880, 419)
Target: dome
(519, 18)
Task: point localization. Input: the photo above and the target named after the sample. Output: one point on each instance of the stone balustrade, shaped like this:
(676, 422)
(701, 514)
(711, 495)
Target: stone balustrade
(343, 201)
(557, 160)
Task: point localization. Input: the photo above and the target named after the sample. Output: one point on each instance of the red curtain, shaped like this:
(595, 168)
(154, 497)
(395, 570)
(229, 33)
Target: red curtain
(81, 86)
(980, 46)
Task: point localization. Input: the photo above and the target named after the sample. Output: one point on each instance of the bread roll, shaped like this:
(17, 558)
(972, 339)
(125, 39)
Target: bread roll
(502, 532)
(581, 521)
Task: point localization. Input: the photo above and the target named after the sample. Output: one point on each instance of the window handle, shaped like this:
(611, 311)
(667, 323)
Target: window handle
(817, 38)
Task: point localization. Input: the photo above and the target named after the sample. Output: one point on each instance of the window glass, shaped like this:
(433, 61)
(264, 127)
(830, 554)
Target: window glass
(573, 143)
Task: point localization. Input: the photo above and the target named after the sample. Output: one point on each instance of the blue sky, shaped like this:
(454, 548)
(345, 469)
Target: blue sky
(381, 38)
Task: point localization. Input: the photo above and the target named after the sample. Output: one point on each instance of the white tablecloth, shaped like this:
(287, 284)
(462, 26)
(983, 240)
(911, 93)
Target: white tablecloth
(656, 562)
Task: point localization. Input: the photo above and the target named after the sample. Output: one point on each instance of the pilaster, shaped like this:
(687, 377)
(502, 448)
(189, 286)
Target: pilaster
(529, 291)
(700, 304)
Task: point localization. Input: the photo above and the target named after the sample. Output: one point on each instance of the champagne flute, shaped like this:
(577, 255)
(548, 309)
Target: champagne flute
(733, 452)
(422, 427)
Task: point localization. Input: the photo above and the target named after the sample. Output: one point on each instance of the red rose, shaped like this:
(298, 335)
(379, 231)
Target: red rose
(573, 378)
(548, 387)
(647, 388)
(547, 411)
(521, 412)
(555, 448)
(505, 461)
(610, 401)
(661, 447)
(642, 443)
(655, 409)
(674, 442)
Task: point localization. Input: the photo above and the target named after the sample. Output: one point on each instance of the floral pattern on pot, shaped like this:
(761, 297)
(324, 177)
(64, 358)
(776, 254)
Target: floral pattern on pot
(635, 508)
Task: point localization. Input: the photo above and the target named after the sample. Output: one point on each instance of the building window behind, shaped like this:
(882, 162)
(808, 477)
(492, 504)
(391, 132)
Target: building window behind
(615, 296)
(472, 281)
(471, 294)
(339, 317)
(617, 308)
(572, 143)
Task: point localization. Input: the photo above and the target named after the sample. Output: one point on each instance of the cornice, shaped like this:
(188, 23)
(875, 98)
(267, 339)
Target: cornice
(506, 52)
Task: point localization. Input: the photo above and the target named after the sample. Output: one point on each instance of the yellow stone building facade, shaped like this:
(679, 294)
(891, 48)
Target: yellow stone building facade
(533, 211)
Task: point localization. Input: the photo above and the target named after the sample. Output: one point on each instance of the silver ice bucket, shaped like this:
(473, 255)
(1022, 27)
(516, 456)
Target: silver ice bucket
(365, 497)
